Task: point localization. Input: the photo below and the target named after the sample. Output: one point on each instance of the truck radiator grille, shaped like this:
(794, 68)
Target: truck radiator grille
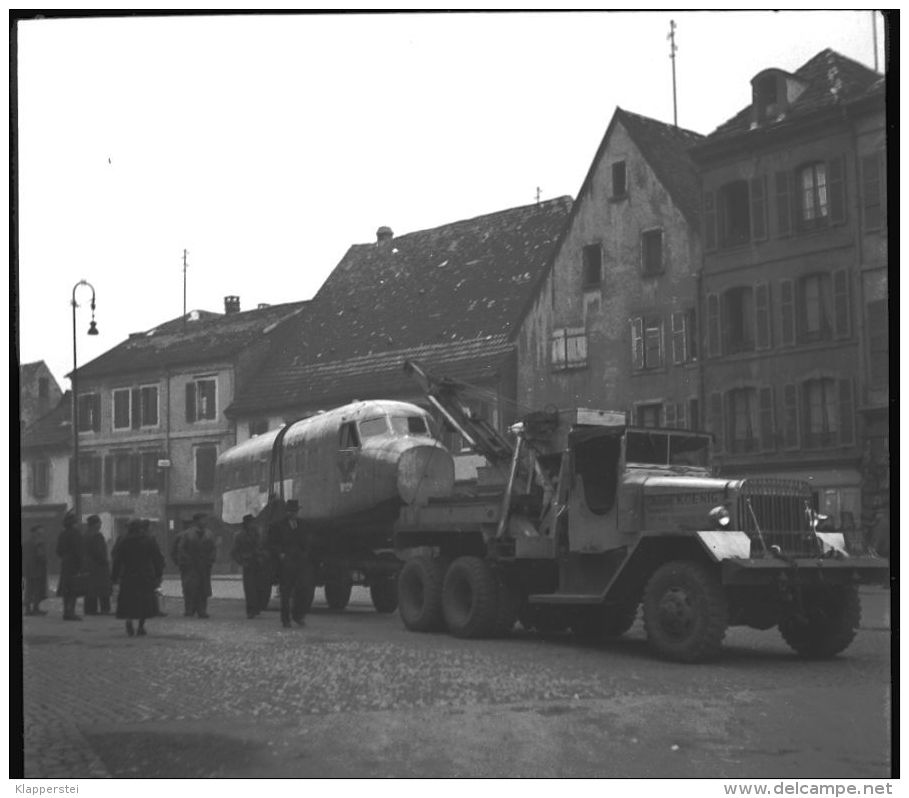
(779, 509)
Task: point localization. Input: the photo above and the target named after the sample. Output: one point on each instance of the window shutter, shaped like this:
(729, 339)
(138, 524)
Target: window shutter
(841, 303)
(790, 417)
(787, 313)
(669, 415)
(767, 427)
(716, 419)
(762, 315)
(783, 204)
(709, 221)
(837, 188)
(847, 418)
(190, 401)
(872, 204)
(637, 343)
(758, 208)
(135, 473)
(96, 412)
(878, 343)
(136, 414)
(108, 474)
(713, 325)
(679, 339)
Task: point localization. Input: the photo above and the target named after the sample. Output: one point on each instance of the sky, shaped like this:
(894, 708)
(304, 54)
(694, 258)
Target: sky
(266, 145)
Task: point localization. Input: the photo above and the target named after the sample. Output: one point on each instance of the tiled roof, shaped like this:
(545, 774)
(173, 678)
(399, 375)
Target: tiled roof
(382, 375)
(52, 430)
(465, 281)
(665, 147)
(830, 79)
(207, 337)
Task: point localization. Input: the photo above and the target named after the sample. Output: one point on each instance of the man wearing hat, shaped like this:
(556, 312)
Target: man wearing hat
(97, 566)
(194, 554)
(249, 553)
(69, 550)
(289, 546)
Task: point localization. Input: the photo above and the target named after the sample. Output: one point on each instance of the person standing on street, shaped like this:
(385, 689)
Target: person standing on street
(145, 527)
(249, 553)
(289, 545)
(138, 566)
(34, 569)
(97, 565)
(195, 555)
(69, 550)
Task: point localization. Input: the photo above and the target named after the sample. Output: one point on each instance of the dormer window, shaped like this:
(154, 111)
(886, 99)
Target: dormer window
(772, 92)
(766, 100)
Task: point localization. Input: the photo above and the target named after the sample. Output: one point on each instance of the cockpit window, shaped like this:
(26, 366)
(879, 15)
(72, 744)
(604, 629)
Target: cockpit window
(373, 426)
(409, 425)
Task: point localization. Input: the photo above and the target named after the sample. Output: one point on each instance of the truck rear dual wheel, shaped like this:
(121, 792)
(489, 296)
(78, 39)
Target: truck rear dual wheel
(470, 598)
(420, 594)
(685, 612)
(828, 624)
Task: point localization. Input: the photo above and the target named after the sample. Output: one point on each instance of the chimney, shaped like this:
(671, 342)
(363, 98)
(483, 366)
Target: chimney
(231, 304)
(384, 234)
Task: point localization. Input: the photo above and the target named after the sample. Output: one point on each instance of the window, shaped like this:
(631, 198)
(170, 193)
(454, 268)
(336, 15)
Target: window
(148, 406)
(823, 307)
(674, 415)
(648, 415)
(790, 417)
(201, 400)
(592, 266)
(684, 336)
(738, 320)
(768, 432)
(569, 348)
(121, 409)
(89, 412)
(879, 344)
(43, 387)
(647, 342)
(205, 468)
(123, 478)
(40, 473)
(652, 252)
(821, 194)
(764, 95)
(373, 426)
(349, 437)
(409, 425)
(694, 414)
(152, 477)
(827, 412)
(258, 427)
(136, 407)
(734, 214)
(742, 418)
(872, 191)
(89, 474)
(619, 187)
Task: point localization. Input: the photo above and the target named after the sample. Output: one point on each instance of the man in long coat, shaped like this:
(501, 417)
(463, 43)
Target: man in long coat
(289, 545)
(34, 569)
(138, 566)
(97, 565)
(69, 550)
(194, 552)
(249, 553)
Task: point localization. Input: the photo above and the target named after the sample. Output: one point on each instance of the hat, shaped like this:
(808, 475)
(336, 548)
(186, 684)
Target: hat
(248, 517)
(292, 505)
(94, 519)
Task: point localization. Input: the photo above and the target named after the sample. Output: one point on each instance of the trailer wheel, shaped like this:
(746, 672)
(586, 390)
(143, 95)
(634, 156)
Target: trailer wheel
(470, 598)
(383, 591)
(337, 593)
(604, 623)
(420, 594)
(685, 612)
(831, 618)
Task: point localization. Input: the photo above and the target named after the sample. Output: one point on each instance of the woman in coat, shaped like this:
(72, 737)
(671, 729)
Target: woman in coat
(97, 565)
(138, 567)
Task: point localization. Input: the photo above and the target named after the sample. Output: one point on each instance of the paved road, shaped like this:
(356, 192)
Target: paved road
(354, 694)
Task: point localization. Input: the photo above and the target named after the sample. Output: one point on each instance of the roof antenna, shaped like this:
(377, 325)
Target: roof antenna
(672, 49)
(538, 195)
(184, 289)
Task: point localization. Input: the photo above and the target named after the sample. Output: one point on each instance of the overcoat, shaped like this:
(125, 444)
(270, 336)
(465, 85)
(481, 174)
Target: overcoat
(69, 550)
(195, 550)
(97, 563)
(138, 566)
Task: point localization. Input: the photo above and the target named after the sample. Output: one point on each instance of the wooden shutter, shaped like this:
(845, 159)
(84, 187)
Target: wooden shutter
(713, 325)
(679, 337)
(136, 408)
(787, 313)
(190, 401)
(765, 400)
(96, 412)
(790, 417)
(108, 474)
(637, 343)
(758, 208)
(762, 315)
(836, 188)
(709, 221)
(716, 419)
(847, 413)
(783, 204)
(841, 303)
(878, 344)
(135, 473)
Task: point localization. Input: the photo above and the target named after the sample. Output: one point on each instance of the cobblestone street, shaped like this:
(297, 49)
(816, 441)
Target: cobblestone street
(354, 694)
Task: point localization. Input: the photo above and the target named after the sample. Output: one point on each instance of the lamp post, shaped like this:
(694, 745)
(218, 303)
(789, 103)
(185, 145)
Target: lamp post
(92, 330)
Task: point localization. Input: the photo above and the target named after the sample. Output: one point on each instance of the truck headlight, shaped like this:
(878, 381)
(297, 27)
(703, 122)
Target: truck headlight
(720, 517)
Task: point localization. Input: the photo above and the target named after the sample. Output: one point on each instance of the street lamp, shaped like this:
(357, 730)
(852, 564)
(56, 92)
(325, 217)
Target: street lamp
(92, 330)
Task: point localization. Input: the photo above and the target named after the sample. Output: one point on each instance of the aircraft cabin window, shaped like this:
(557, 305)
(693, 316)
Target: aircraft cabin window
(349, 437)
(373, 426)
(409, 425)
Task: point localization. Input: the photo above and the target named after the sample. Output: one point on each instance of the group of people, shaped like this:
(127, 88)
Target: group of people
(136, 564)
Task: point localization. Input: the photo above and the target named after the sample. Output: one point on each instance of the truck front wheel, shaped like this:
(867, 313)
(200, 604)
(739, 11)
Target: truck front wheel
(685, 612)
(827, 624)
(470, 598)
(420, 594)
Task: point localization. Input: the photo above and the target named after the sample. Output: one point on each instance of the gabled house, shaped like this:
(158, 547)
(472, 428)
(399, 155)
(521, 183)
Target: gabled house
(451, 297)
(39, 392)
(151, 415)
(795, 286)
(614, 322)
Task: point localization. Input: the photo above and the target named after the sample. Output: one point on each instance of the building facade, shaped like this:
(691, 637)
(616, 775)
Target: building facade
(794, 287)
(39, 392)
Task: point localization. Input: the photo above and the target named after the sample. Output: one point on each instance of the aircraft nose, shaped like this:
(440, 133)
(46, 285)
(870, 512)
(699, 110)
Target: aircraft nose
(425, 472)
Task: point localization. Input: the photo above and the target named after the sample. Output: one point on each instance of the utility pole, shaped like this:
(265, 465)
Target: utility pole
(538, 195)
(184, 289)
(672, 49)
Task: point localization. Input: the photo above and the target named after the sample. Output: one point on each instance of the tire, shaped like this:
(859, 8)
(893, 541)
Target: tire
(470, 598)
(420, 594)
(337, 594)
(605, 623)
(383, 591)
(685, 612)
(831, 619)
